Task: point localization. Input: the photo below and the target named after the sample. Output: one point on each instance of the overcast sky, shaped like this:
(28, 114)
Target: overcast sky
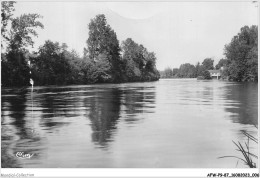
(178, 32)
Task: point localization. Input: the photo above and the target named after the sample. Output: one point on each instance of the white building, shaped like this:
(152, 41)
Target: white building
(215, 74)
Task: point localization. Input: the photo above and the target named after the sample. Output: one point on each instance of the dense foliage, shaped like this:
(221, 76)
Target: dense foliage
(53, 64)
(242, 54)
(137, 62)
(221, 64)
(103, 49)
(14, 67)
(7, 7)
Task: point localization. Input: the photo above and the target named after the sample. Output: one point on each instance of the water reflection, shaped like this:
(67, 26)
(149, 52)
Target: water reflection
(137, 101)
(171, 123)
(26, 138)
(244, 105)
(55, 109)
(57, 103)
(104, 110)
(10, 123)
(17, 112)
(106, 107)
(14, 104)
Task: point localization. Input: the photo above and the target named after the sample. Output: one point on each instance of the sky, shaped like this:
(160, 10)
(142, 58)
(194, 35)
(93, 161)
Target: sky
(178, 32)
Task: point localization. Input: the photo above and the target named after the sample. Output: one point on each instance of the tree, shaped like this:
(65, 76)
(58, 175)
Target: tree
(133, 51)
(222, 63)
(133, 60)
(242, 54)
(46, 64)
(175, 72)
(22, 31)
(186, 70)
(103, 41)
(7, 7)
(149, 61)
(55, 65)
(207, 64)
(103, 70)
(138, 62)
(15, 70)
(168, 72)
(198, 70)
(132, 72)
(206, 75)
(150, 73)
(85, 53)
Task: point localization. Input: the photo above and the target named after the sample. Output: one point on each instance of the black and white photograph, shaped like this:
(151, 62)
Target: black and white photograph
(130, 84)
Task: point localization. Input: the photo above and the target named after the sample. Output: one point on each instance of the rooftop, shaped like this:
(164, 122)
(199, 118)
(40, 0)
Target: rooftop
(214, 71)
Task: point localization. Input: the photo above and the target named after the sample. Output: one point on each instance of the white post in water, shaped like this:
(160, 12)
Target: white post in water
(31, 82)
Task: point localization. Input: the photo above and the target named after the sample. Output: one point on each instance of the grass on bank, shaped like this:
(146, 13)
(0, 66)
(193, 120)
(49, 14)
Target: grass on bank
(245, 150)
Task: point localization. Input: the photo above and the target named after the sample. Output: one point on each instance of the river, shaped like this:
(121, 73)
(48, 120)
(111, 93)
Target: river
(171, 123)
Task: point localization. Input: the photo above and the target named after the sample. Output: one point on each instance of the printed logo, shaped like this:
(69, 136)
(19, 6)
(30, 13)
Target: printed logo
(23, 155)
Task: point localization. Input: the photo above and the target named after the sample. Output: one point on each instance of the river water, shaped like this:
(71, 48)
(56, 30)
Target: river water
(174, 123)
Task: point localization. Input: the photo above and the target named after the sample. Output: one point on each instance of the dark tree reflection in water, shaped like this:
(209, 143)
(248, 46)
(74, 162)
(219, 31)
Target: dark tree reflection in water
(26, 139)
(55, 109)
(105, 107)
(137, 101)
(244, 97)
(104, 110)
(17, 106)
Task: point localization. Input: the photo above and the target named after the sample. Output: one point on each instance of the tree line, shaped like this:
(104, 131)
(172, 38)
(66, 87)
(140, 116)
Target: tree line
(240, 62)
(104, 59)
(188, 70)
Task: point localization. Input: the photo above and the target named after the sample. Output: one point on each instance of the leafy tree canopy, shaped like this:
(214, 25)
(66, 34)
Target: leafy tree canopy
(242, 55)
(22, 31)
(207, 64)
(7, 7)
